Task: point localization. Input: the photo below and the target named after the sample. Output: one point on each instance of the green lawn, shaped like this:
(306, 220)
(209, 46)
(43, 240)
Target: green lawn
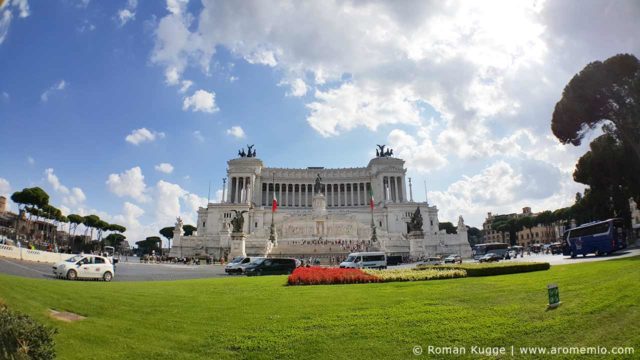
(261, 318)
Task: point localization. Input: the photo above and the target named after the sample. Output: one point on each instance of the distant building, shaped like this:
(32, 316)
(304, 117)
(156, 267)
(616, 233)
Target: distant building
(3, 204)
(538, 234)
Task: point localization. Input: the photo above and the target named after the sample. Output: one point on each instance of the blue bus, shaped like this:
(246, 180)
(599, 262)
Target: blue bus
(479, 250)
(599, 238)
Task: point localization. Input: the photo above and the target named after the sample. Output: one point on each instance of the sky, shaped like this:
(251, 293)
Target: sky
(130, 109)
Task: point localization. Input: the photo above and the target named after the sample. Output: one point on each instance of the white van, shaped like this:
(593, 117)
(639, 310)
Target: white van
(237, 265)
(364, 260)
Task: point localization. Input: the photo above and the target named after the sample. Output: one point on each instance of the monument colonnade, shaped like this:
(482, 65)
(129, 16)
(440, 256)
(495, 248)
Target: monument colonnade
(299, 193)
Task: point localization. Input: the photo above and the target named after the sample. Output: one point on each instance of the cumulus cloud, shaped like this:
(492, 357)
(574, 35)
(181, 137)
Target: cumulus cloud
(172, 200)
(488, 72)
(57, 87)
(237, 132)
(143, 135)
(129, 183)
(202, 101)
(73, 197)
(164, 168)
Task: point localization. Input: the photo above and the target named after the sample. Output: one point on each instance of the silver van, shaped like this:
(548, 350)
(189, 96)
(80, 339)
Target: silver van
(365, 260)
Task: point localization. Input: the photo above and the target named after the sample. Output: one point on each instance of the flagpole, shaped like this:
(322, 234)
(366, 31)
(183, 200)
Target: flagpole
(272, 230)
(374, 237)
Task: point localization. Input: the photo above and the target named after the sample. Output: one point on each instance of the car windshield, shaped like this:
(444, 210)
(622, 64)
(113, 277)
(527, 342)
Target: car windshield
(236, 259)
(74, 259)
(257, 261)
(351, 259)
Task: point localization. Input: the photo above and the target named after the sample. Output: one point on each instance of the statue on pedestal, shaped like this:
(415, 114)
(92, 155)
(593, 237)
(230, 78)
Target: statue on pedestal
(317, 187)
(238, 221)
(416, 221)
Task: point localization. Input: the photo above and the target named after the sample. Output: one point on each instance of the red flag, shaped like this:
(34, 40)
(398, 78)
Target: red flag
(274, 205)
(371, 204)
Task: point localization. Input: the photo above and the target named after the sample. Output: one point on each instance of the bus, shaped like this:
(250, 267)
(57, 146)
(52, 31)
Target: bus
(599, 238)
(500, 249)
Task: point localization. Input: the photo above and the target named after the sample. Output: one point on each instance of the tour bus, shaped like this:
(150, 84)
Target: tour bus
(600, 238)
(361, 260)
(481, 250)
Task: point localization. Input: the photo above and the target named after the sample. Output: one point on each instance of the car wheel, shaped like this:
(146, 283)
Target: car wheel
(107, 276)
(72, 275)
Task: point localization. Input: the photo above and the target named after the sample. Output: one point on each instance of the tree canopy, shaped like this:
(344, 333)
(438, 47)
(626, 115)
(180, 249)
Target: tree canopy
(189, 229)
(608, 90)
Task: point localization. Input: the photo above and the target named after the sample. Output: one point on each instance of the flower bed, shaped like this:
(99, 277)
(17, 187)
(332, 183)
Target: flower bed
(477, 269)
(326, 276)
(412, 275)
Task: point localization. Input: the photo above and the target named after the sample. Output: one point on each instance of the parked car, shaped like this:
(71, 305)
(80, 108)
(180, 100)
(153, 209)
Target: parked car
(85, 267)
(237, 265)
(490, 257)
(453, 259)
(431, 261)
(270, 266)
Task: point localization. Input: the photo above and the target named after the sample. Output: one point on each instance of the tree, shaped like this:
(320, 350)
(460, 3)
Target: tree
(189, 229)
(608, 90)
(148, 245)
(167, 232)
(74, 221)
(448, 227)
(91, 222)
(114, 240)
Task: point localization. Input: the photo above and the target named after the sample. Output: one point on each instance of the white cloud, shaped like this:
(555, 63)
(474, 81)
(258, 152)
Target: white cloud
(59, 86)
(5, 187)
(201, 100)
(129, 183)
(128, 13)
(73, 197)
(31, 160)
(298, 87)
(186, 84)
(143, 135)
(164, 168)
(5, 96)
(198, 136)
(5, 21)
(169, 197)
(347, 107)
(237, 132)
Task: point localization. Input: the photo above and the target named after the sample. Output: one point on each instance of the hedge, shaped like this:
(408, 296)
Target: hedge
(411, 275)
(476, 269)
(21, 337)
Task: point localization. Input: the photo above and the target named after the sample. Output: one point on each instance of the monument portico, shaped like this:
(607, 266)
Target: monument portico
(328, 208)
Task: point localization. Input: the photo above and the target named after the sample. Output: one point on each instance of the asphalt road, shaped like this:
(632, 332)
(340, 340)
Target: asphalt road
(134, 271)
(125, 271)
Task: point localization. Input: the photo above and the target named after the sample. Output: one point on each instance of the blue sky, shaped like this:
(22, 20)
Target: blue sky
(463, 92)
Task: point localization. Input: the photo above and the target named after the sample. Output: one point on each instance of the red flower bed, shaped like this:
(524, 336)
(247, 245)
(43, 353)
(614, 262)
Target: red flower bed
(327, 276)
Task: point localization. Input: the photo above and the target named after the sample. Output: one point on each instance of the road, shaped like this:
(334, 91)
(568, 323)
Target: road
(134, 271)
(125, 271)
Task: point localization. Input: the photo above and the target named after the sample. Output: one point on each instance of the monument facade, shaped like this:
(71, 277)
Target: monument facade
(320, 213)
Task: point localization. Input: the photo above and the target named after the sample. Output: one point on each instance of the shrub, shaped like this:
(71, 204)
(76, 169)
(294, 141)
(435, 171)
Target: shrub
(477, 269)
(412, 275)
(21, 337)
(325, 276)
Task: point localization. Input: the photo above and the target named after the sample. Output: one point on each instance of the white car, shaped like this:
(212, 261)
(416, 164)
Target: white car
(85, 267)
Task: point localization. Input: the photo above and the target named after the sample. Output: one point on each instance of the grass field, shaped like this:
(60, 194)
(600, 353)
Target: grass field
(248, 318)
